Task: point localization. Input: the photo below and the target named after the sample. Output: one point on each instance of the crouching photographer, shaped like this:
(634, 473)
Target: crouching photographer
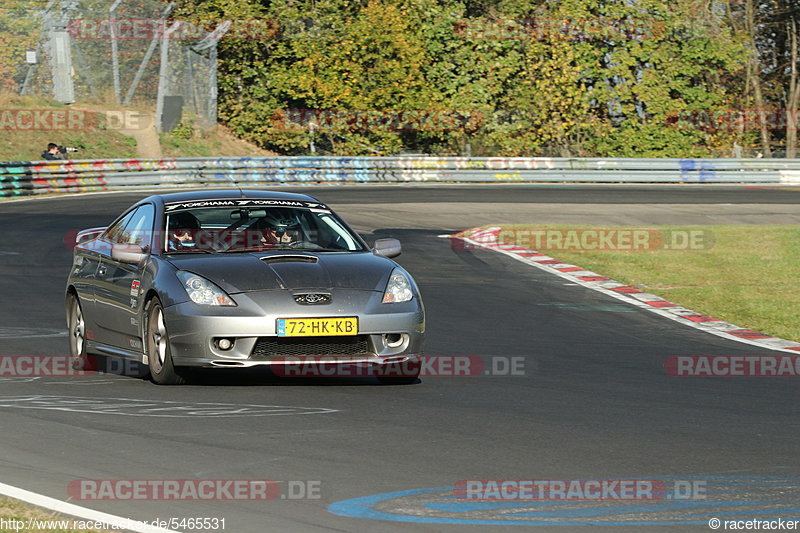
(55, 152)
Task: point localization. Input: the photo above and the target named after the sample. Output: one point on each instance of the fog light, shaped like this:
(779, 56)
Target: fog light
(225, 344)
(394, 340)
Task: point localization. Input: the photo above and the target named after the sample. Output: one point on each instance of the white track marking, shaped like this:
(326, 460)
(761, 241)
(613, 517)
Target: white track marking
(77, 511)
(151, 408)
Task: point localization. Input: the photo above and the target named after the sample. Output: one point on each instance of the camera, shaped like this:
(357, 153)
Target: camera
(66, 149)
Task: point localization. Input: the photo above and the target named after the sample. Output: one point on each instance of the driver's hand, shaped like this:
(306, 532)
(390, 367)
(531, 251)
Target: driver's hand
(269, 237)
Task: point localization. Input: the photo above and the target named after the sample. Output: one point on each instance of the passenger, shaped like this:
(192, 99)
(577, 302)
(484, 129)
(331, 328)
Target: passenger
(282, 232)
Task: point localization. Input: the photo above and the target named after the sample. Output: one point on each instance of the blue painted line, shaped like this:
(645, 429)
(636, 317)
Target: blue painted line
(489, 506)
(745, 480)
(363, 508)
(781, 512)
(675, 505)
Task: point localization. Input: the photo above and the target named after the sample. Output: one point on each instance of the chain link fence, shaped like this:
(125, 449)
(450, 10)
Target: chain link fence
(116, 52)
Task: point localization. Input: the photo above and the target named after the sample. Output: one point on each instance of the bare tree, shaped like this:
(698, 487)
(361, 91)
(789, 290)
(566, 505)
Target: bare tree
(753, 73)
(793, 94)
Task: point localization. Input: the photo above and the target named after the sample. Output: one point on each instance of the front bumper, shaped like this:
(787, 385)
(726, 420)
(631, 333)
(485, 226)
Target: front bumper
(393, 333)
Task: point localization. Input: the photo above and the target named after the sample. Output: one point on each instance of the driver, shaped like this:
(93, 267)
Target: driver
(182, 229)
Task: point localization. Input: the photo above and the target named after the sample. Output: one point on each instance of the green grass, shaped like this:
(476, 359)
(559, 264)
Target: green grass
(176, 146)
(15, 510)
(97, 141)
(185, 142)
(28, 145)
(749, 277)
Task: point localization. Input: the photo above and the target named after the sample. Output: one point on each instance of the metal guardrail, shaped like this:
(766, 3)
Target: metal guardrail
(23, 178)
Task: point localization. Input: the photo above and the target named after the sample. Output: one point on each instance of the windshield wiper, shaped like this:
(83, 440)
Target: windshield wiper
(191, 251)
(284, 248)
(313, 248)
(317, 249)
(250, 249)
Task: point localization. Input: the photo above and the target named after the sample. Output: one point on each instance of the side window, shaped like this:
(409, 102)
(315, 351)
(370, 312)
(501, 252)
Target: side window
(139, 228)
(114, 232)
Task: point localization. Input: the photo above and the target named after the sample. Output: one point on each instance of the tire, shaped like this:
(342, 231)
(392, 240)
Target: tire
(156, 341)
(76, 329)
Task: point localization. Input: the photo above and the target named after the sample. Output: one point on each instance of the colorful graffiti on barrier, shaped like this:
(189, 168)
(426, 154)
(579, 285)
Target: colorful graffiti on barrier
(20, 178)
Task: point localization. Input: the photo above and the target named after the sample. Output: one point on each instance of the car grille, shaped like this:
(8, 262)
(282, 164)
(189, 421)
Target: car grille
(269, 347)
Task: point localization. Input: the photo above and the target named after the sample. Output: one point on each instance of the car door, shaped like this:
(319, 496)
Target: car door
(117, 286)
(82, 276)
(88, 257)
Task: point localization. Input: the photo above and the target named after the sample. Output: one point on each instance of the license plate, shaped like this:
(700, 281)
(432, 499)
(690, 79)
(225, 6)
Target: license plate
(317, 327)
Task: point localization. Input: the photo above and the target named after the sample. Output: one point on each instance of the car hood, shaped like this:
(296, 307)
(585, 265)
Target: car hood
(247, 272)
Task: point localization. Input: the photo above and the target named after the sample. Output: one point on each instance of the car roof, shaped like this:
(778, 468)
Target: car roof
(223, 194)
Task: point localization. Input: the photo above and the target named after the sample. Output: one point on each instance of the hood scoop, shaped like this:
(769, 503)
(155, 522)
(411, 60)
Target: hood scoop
(289, 258)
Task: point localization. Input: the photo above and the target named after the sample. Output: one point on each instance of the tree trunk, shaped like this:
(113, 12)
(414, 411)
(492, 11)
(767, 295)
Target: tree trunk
(792, 96)
(755, 73)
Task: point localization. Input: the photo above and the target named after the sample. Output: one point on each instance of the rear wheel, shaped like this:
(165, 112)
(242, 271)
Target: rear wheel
(159, 357)
(76, 323)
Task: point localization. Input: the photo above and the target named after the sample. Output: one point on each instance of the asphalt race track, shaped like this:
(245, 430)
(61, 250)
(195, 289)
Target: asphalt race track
(593, 400)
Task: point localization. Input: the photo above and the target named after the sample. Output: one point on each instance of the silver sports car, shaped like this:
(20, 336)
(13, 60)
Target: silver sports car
(242, 279)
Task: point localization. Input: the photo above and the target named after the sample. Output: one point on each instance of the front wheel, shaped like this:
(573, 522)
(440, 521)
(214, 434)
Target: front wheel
(159, 357)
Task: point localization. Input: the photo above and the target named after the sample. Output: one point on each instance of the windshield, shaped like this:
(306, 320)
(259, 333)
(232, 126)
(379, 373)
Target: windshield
(234, 228)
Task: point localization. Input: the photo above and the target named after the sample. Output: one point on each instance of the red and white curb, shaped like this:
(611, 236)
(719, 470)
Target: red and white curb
(488, 238)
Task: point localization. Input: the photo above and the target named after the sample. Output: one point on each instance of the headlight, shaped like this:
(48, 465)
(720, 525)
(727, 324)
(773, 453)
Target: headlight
(201, 291)
(398, 289)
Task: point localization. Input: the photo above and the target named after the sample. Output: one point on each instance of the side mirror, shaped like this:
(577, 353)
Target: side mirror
(387, 247)
(128, 253)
